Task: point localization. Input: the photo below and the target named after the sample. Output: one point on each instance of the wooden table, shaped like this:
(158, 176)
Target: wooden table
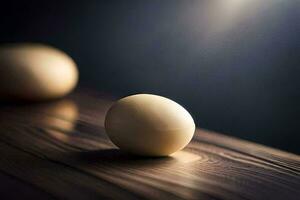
(59, 150)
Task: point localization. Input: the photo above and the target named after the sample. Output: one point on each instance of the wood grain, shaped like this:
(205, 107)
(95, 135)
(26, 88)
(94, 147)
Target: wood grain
(59, 150)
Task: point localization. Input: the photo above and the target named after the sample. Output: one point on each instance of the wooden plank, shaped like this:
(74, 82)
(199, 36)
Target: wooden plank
(12, 188)
(60, 149)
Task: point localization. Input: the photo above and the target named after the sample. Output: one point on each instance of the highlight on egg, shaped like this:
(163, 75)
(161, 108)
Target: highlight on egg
(31, 71)
(149, 125)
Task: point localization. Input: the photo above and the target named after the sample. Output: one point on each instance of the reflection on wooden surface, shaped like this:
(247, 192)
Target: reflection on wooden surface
(60, 150)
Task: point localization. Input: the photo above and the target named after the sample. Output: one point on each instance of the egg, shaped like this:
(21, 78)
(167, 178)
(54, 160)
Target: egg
(30, 71)
(149, 125)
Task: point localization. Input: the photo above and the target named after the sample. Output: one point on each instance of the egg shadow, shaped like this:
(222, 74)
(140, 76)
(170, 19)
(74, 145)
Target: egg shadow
(117, 157)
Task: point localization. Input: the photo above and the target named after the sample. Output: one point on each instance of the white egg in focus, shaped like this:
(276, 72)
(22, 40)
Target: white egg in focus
(30, 71)
(149, 125)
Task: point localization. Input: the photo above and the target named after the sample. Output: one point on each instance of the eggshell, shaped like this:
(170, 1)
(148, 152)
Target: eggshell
(35, 72)
(149, 125)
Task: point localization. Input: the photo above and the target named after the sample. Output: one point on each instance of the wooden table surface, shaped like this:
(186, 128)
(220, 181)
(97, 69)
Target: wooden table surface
(59, 150)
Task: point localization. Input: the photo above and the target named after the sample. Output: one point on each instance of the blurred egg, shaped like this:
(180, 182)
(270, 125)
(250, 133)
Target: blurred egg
(35, 72)
(149, 125)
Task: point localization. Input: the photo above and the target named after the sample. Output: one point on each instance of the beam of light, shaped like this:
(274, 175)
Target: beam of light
(213, 22)
(225, 14)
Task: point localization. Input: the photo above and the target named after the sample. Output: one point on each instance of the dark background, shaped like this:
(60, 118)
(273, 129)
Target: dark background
(234, 64)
